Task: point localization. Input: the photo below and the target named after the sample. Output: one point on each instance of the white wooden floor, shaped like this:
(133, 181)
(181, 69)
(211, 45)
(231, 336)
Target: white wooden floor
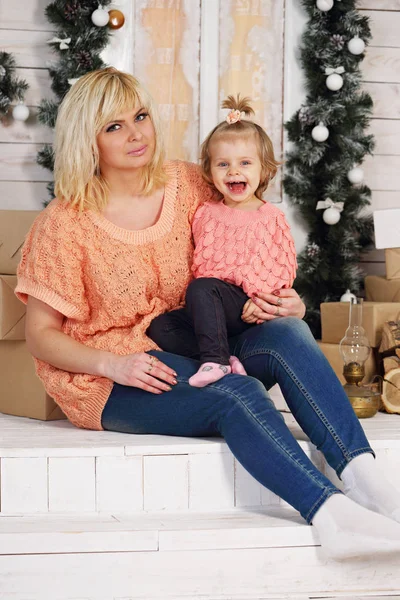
(106, 516)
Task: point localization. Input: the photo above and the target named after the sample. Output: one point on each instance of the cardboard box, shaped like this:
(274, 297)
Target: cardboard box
(387, 228)
(392, 259)
(14, 225)
(332, 353)
(335, 320)
(379, 289)
(12, 310)
(21, 391)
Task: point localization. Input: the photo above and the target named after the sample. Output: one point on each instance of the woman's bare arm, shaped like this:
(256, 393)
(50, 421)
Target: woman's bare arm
(47, 342)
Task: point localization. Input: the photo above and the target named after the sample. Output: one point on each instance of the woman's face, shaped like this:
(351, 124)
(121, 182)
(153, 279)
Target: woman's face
(128, 142)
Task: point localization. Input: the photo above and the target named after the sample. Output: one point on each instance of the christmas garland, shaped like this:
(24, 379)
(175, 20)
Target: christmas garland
(323, 178)
(79, 37)
(12, 88)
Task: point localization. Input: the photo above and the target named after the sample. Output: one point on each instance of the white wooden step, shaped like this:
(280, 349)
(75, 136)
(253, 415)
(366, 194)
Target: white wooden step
(252, 555)
(47, 534)
(56, 468)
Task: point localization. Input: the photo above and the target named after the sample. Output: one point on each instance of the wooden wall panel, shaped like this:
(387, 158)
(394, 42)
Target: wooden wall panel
(387, 136)
(24, 14)
(18, 163)
(29, 48)
(23, 195)
(385, 27)
(166, 59)
(251, 63)
(386, 97)
(382, 65)
(380, 5)
(382, 173)
(28, 132)
(382, 199)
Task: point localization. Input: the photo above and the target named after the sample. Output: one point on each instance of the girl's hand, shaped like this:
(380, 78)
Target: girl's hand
(281, 303)
(140, 370)
(248, 312)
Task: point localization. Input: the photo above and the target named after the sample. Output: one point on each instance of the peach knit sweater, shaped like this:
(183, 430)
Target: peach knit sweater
(109, 282)
(253, 250)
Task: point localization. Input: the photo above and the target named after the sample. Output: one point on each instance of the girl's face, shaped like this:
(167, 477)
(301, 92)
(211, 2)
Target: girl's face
(235, 168)
(128, 142)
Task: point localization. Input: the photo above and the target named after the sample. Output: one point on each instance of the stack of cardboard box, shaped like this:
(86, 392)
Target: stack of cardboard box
(21, 392)
(387, 236)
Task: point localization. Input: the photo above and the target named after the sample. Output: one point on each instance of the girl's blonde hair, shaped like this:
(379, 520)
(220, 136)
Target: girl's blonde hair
(94, 100)
(241, 128)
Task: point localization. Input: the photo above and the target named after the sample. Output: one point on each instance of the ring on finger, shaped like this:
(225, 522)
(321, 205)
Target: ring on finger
(150, 368)
(153, 359)
(277, 312)
(279, 302)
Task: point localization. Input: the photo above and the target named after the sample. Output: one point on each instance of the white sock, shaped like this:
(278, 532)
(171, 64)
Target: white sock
(366, 483)
(348, 530)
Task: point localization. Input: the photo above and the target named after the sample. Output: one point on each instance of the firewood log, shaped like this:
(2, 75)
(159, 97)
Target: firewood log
(391, 391)
(391, 362)
(390, 338)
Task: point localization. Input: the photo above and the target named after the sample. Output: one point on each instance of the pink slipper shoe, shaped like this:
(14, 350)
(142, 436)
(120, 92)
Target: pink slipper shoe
(209, 372)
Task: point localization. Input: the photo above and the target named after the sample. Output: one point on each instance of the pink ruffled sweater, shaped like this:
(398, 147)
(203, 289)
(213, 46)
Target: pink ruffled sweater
(251, 249)
(109, 282)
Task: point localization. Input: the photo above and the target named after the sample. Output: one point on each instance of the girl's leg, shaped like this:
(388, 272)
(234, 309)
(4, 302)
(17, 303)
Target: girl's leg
(239, 408)
(173, 332)
(215, 308)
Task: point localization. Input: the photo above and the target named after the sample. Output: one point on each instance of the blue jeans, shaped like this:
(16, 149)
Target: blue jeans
(239, 409)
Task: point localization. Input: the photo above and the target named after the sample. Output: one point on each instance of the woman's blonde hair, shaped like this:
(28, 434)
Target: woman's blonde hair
(241, 128)
(94, 100)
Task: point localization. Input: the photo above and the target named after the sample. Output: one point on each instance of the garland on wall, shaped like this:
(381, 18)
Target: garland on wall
(12, 89)
(81, 32)
(323, 177)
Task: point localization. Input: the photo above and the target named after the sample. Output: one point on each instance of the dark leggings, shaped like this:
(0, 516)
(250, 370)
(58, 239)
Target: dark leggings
(201, 330)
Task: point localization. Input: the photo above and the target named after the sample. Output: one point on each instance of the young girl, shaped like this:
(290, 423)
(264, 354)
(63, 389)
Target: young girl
(243, 245)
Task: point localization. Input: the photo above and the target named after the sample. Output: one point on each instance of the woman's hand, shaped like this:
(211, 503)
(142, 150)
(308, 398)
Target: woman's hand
(140, 370)
(280, 303)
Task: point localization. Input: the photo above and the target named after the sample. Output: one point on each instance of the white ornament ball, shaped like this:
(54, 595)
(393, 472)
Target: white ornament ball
(100, 17)
(331, 216)
(20, 112)
(356, 45)
(334, 82)
(355, 175)
(320, 133)
(347, 296)
(324, 5)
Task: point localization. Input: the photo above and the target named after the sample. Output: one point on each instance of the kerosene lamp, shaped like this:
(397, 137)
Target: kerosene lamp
(355, 350)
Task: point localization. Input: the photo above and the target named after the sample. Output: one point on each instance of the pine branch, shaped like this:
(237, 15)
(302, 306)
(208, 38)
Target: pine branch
(70, 19)
(12, 88)
(315, 171)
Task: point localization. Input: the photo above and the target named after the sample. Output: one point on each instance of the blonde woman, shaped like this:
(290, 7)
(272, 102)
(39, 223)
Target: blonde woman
(112, 252)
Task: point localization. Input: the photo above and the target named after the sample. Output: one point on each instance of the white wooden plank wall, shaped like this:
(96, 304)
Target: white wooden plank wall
(381, 69)
(24, 31)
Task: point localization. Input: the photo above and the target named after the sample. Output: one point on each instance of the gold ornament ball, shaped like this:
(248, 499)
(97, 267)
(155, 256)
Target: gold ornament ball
(117, 19)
